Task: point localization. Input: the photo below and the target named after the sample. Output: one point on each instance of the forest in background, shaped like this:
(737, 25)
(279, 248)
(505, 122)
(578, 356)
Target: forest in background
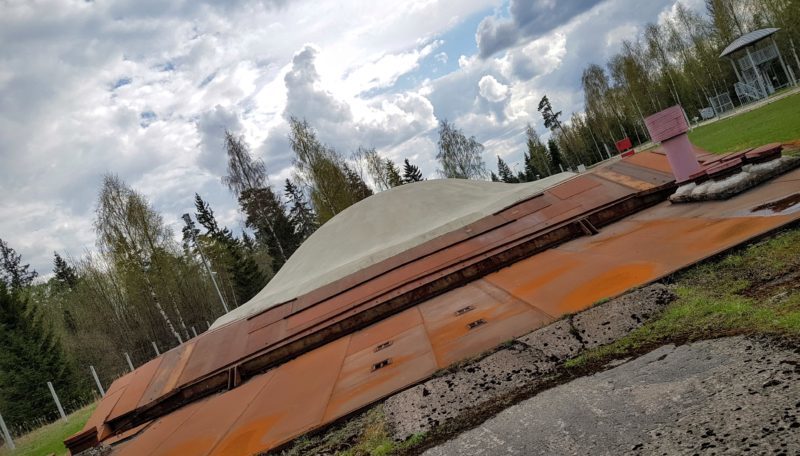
(143, 286)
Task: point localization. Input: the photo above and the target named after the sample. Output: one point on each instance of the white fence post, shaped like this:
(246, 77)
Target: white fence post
(6, 434)
(97, 380)
(194, 331)
(155, 347)
(58, 403)
(130, 364)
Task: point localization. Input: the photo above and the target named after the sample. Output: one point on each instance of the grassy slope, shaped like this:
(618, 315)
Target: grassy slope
(776, 122)
(50, 439)
(754, 291)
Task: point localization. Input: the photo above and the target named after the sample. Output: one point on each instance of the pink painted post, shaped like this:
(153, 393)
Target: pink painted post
(669, 127)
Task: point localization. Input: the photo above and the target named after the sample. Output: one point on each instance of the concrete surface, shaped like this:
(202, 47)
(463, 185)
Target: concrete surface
(382, 226)
(521, 365)
(723, 396)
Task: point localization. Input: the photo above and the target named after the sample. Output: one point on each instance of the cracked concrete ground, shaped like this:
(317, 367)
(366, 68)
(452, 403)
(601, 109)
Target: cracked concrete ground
(723, 396)
(525, 363)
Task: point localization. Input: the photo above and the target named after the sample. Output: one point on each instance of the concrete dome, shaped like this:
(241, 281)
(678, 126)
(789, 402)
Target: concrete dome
(382, 226)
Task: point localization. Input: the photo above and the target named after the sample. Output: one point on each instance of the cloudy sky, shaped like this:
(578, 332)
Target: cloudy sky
(145, 88)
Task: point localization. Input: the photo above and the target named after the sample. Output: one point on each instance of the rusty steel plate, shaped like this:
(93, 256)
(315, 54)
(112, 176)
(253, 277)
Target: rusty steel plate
(378, 370)
(166, 377)
(215, 350)
(293, 402)
(474, 318)
(205, 428)
(651, 160)
(573, 186)
(158, 432)
(137, 385)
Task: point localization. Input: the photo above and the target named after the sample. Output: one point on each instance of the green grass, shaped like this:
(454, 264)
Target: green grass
(775, 122)
(754, 291)
(50, 439)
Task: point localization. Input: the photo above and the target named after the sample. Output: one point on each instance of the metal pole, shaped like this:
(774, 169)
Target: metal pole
(188, 219)
(6, 434)
(130, 364)
(58, 403)
(208, 325)
(97, 380)
(155, 347)
(789, 76)
(194, 331)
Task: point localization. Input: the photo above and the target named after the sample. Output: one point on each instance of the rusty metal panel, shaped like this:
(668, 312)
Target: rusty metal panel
(572, 187)
(170, 369)
(293, 402)
(136, 387)
(266, 335)
(269, 317)
(378, 333)
(119, 383)
(103, 409)
(158, 432)
(206, 427)
(469, 320)
(214, 350)
(623, 179)
(650, 160)
(399, 360)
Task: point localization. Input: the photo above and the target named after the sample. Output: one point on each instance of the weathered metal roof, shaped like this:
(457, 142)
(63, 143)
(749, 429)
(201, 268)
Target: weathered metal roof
(254, 384)
(747, 40)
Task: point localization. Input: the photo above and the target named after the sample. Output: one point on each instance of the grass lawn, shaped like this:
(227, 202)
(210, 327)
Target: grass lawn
(775, 122)
(753, 291)
(50, 439)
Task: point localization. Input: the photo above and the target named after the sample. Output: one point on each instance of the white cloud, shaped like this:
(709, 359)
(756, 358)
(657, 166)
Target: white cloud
(145, 89)
(492, 90)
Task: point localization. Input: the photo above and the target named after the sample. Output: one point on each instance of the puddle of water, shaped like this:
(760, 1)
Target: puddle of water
(778, 205)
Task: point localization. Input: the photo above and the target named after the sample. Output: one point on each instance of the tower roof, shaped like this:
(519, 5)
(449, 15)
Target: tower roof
(747, 40)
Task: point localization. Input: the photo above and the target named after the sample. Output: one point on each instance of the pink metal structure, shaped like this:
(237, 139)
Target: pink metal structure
(669, 127)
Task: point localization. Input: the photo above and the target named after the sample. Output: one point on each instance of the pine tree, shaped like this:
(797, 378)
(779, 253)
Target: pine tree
(301, 216)
(65, 275)
(31, 356)
(247, 179)
(248, 279)
(12, 272)
(205, 215)
(504, 172)
(411, 173)
(393, 174)
(260, 205)
(358, 188)
(493, 177)
(555, 154)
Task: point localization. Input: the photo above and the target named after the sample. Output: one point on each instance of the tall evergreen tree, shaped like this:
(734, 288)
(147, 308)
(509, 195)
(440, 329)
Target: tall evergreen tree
(247, 179)
(12, 272)
(392, 174)
(556, 161)
(260, 205)
(504, 172)
(31, 356)
(411, 173)
(300, 213)
(65, 275)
